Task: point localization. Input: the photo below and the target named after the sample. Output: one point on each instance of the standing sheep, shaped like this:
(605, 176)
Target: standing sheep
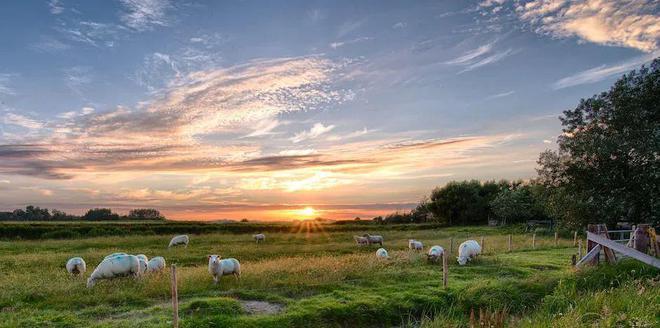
(381, 253)
(259, 237)
(156, 264)
(415, 245)
(115, 266)
(76, 266)
(179, 240)
(468, 250)
(143, 263)
(361, 240)
(435, 253)
(373, 239)
(222, 267)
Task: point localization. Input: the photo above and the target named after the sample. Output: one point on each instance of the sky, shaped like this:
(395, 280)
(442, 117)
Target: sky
(272, 110)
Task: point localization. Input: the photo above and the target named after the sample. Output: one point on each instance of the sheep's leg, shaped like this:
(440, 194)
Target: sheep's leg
(215, 280)
(237, 276)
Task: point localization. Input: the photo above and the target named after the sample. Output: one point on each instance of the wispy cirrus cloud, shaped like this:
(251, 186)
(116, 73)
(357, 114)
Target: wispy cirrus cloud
(314, 132)
(5, 80)
(602, 72)
(627, 23)
(143, 15)
(479, 57)
(55, 7)
(22, 121)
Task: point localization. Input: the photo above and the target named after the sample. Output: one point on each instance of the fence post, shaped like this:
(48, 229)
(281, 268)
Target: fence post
(556, 238)
(510, 243)
(574, 238)
(445, 272)
(483, 249)
(175, 299)
(580, 249)
(534, 240)
(451, 245)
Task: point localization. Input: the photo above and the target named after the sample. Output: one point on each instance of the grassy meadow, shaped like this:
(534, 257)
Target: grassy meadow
(320, 278)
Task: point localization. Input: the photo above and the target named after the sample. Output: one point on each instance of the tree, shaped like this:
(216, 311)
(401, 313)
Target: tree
(145, 214)
(100, 214)
(607, 167)
(464, 202)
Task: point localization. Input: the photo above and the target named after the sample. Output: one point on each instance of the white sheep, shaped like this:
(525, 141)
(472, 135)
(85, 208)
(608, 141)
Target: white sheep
(156, 264)
(114, 254)
(381, 253)
(361, 240)
(374, 239)
(468, 250)
(259, 237)
(143, 262)
(76, 266)
(415, 245)
(179, 240)
(221, 267)
(435, 253)
(115, 266)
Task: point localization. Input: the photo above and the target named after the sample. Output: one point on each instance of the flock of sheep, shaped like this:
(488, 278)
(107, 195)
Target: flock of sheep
(468, 250)
(122, 264)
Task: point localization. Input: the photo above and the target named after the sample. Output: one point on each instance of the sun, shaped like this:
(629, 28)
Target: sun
(307, 211)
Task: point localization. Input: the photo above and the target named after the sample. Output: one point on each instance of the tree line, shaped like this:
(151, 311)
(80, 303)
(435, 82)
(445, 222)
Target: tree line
(36, 213)
(606, 168)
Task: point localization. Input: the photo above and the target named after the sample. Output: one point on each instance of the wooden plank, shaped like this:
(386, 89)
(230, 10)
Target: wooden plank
(590, 256)
(445, 271)
(175, 299)
(631, 252)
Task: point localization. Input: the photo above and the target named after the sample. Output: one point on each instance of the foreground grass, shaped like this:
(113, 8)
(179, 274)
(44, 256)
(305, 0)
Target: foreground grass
(322, 279)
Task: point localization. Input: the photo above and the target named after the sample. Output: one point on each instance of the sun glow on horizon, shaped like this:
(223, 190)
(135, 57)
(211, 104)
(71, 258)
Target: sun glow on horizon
(306, 212)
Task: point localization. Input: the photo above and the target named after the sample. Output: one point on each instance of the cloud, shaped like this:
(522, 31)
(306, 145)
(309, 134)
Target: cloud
(22, 121)
(602, 72)
(500, 95)
(399, 25)
(340, 44)
(471, 55)
(77, 77)
(316, 130)
(263, 128)
(5, 89)
(348, 27)
(48, 44)
(351, 135)
(143, 15)
(626, 23)
(55, 7)
(480, 56)
(91, 33)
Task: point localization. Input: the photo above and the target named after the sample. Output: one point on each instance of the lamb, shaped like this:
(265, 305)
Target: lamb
(361, 240)
(435, 253)
(381, 253)
(115, 266)
(467, 250)
(179, 240)
(222, 267)
(373, 239)
(156, 264)
(76, 266)
(415, 245)
(143, 262)
(259, 237)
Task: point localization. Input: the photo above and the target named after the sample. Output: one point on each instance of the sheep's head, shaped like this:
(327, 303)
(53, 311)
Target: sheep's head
(214, 259)
(90, 282)
(462, 260)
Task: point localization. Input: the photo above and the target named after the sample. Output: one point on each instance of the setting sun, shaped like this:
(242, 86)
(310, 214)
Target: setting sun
(307, 211)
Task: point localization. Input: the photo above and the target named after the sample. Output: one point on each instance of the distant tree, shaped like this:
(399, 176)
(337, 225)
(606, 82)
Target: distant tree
(97, 214)
(357, 218)
(607, 167)
(145, 214)
(244, 220)
(464, 202)
(378, 219)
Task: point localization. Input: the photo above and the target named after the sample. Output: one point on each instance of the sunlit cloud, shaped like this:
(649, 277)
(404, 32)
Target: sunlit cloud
(602, 72)
(316, 130)
(143, 15)
(22, 121)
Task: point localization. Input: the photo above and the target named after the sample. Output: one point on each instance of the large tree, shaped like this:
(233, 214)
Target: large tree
(607, 167)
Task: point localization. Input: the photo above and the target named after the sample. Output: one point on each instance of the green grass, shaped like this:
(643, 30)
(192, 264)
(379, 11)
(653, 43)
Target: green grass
(321, 278)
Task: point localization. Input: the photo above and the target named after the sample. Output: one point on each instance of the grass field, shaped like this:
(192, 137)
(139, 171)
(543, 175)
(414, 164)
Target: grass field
(321, 279)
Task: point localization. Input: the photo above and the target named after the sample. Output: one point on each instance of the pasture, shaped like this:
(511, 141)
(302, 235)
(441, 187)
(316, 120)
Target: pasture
(317, 278)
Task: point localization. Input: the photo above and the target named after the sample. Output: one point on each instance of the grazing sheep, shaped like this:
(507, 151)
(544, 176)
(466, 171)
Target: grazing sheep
(143, 262)
(467, 250)
(361, 240)
(114, 254)
(115, 266)
(435, 253)
(373, 239)
(222, 267)
(179, 240)
(381, 253)
(156, 264)
(76, 266)
(415, 245)
(259, 237)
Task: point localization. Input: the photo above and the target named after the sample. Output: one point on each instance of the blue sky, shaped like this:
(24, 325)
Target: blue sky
(231, 109)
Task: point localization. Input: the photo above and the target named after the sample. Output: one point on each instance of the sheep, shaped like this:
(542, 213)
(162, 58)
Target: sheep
(76, 266)
(373, 239)
(115, 266)
(415, 245)
(156, 264)
(435, 253)
(259, 237)
(222, 267)
(381, 253)
(114, 254)
(361, 240)
(179, 240)
(468, 250)
(143, 262)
